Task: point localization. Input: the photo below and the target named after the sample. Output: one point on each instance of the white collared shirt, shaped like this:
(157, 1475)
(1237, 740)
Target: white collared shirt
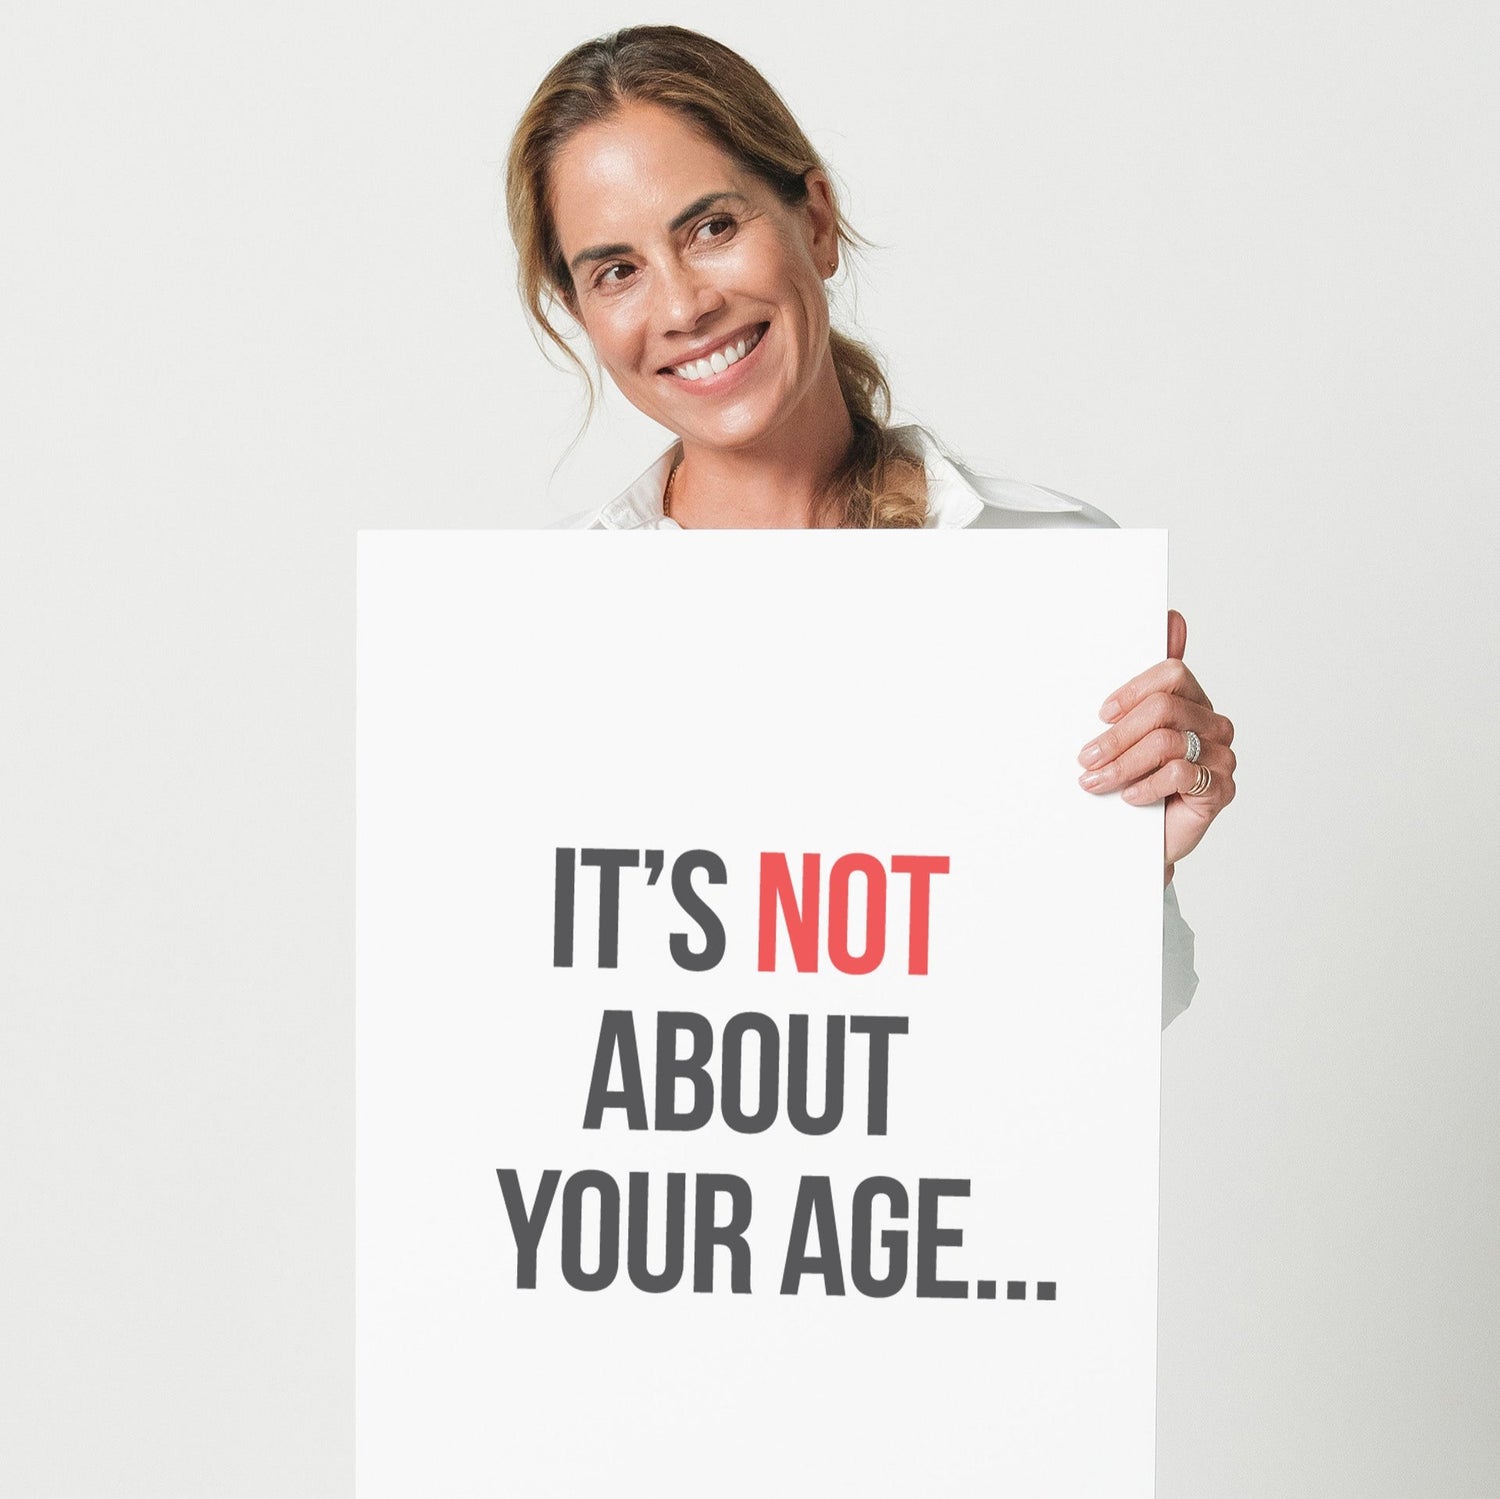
(956, 497)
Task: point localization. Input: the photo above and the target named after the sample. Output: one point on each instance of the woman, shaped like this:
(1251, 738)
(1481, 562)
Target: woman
(662, 193)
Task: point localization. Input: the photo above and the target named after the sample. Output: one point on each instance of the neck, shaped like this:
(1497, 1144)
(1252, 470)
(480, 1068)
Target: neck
(770, 484)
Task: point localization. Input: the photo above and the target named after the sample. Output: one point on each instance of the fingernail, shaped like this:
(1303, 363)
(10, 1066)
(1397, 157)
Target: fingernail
(1091, 780)
(1110, 711)
(1132, 793)
(1091, 754)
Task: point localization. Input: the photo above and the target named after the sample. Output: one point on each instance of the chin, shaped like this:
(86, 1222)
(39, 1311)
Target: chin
(733, 430)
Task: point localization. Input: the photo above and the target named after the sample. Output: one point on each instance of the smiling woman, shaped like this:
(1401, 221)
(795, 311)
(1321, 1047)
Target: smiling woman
(709, 317)
(660, 191)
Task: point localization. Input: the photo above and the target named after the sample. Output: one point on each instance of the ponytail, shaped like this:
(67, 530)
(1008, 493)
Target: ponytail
(880, 483)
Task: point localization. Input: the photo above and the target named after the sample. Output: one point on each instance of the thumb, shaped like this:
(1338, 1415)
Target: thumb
(1176, 635)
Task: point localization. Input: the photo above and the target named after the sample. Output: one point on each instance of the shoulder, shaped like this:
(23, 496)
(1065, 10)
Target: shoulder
(579, 520)
(638, 507)
(963, 493)
(1079, 515)
(1016, 503)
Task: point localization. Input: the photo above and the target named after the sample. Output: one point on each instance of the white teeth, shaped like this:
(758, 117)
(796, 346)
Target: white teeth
(717, 362)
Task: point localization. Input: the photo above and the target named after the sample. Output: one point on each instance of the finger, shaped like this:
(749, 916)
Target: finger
(1177, 777)
(1187, 818)
(1162, 710)
(1166, 676)
(1176, 635)
(1152, 751)
(1137, 760)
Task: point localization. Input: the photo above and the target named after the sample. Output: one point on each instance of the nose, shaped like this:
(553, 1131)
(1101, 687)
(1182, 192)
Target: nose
(685, 296)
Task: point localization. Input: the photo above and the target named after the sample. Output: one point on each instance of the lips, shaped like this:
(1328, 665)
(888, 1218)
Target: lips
(719, 358)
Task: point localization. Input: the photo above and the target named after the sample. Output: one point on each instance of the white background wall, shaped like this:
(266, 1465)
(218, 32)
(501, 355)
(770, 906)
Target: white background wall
(1224, 269)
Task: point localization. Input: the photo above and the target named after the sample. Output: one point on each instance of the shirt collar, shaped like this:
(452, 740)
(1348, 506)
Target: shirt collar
(956, 495)
(638, 508)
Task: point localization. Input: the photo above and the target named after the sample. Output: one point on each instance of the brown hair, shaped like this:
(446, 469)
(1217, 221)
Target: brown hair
(723, 96)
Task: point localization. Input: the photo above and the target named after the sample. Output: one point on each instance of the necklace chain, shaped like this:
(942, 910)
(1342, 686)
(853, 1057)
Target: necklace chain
(666, 498)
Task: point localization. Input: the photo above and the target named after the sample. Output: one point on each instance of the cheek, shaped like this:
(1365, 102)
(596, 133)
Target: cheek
(813, 299)
(615, 339)
(802, 285)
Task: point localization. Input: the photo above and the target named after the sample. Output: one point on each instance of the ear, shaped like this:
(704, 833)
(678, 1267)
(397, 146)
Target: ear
(821, 209)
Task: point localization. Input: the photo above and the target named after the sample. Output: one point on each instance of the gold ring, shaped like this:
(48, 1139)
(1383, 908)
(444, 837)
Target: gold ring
(1204, 779)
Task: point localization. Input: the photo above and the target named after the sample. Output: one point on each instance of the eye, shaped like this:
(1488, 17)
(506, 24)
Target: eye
(721, 226)
(608, 281)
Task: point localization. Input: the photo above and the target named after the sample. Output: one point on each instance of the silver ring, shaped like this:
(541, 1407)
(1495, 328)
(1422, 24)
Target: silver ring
(1194, 749)
(1204, 779)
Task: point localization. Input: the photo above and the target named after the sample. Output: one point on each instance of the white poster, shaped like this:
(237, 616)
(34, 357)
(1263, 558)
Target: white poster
(757, 1025)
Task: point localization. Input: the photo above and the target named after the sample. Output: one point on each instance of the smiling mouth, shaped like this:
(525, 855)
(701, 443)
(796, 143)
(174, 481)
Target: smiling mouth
(721, 359)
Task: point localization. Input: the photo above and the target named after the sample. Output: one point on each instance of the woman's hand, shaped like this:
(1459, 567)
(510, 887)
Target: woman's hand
(1144, 754)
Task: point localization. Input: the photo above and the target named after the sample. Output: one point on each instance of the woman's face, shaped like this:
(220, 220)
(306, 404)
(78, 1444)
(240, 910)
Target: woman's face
(701, 291)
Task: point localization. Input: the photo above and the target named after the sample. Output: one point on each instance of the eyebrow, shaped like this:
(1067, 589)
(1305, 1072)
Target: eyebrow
(697, 206)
